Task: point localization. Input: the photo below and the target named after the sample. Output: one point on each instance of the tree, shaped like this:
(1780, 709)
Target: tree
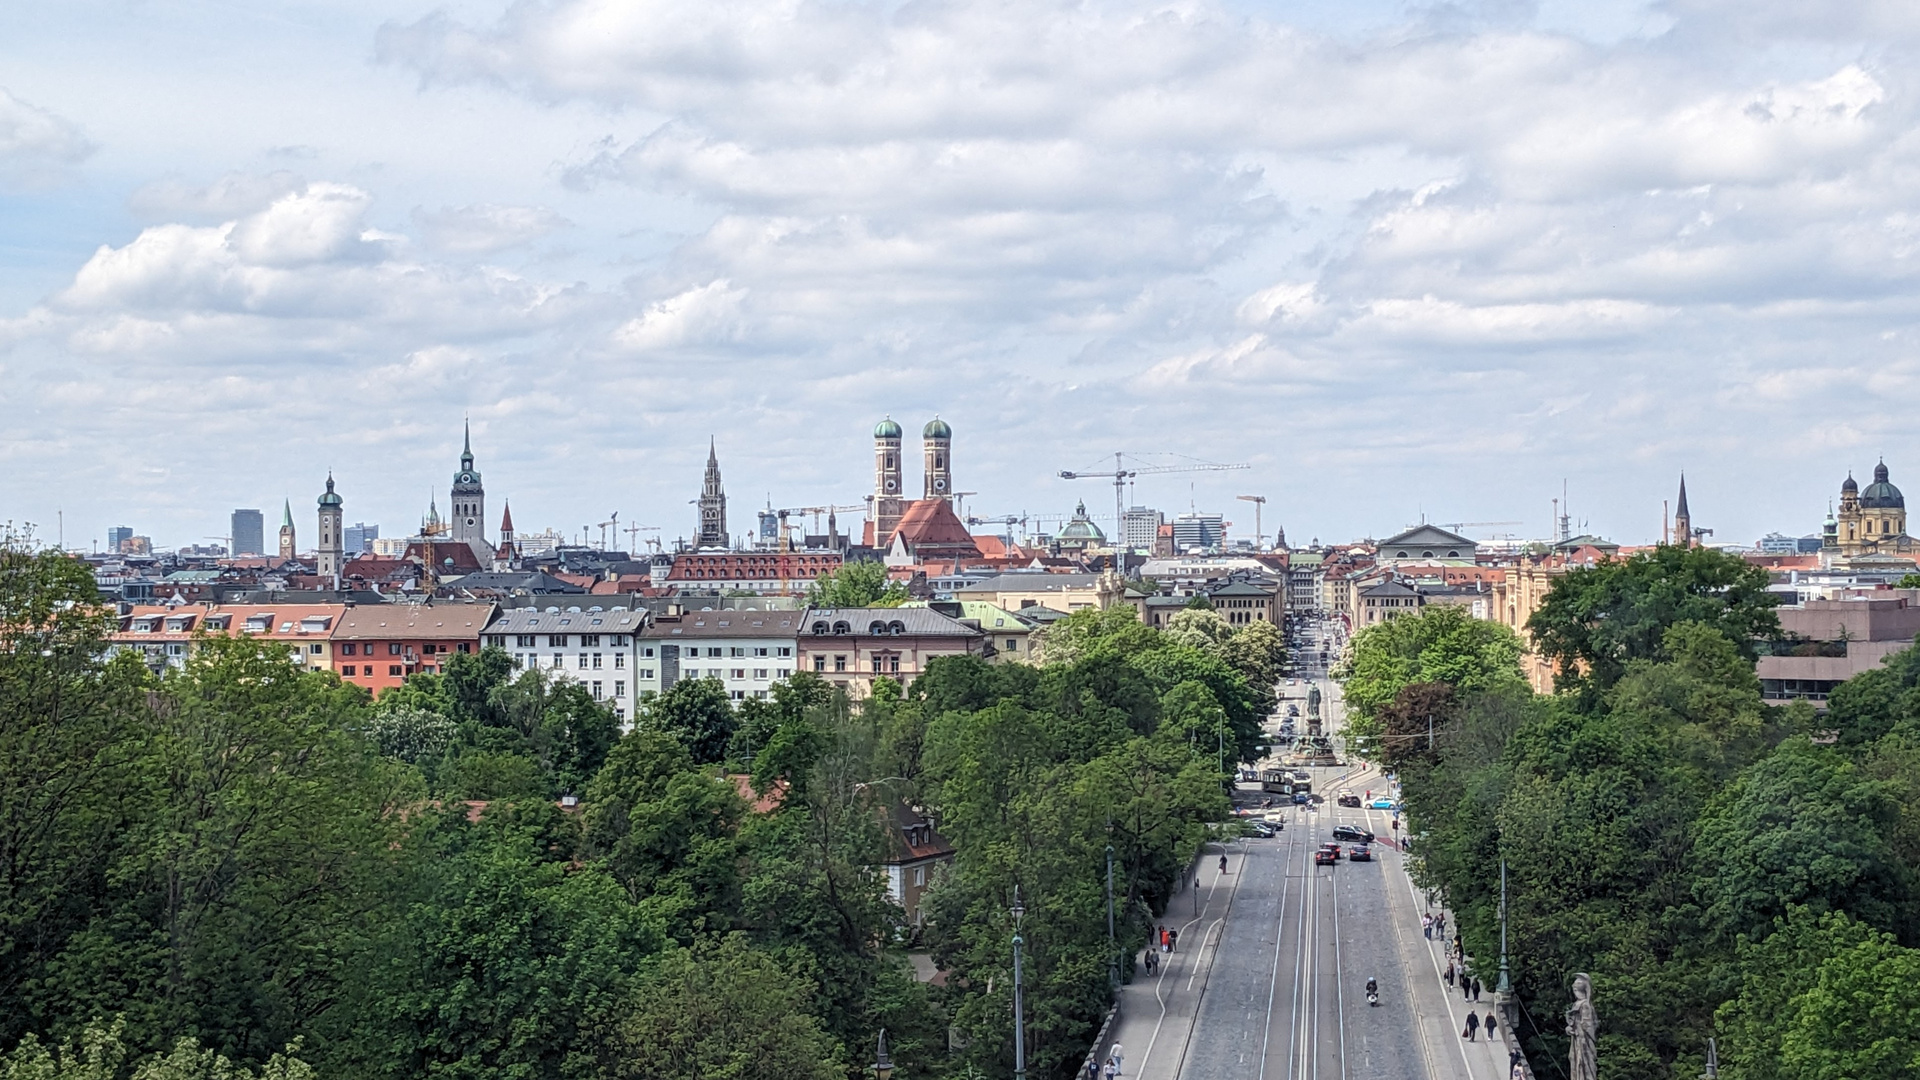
(665, 829)
(100, 1053)
(855, 585)
(1202, 628)
(1598, 619)
(1200, 602)
(722, 1009)
(698, 713)
(1440, 644)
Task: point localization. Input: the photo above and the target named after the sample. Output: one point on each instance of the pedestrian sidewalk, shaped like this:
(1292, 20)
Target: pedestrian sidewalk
(1157, 1012)
(1482, 1057)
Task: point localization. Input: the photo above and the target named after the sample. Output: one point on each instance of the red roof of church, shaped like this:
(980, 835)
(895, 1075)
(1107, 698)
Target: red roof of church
(506, 518)
(932, 523)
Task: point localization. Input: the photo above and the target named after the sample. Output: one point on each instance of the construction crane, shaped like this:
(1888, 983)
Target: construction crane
(1121, 474)
(1458, 525)
(816, 511)
(1259, 503)
(633, 532)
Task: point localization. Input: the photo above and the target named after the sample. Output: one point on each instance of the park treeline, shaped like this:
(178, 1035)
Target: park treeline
(1722, 867)
(240, 868)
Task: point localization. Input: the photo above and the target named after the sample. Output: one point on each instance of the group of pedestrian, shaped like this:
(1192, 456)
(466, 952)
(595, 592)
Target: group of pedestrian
(1168, 938)
(1473, 1026)
(1434, 924)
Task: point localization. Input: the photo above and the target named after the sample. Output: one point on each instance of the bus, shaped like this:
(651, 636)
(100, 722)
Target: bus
(1278, 781)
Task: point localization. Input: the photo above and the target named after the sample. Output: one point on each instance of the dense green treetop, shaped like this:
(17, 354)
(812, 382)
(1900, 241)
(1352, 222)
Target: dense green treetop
(856, 585)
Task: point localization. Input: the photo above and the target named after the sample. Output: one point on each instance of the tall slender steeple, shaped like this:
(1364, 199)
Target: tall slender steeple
(469, 502)
(1682, 520)
(936, 443)
(889, 490)
(287, 545)
(713, 503)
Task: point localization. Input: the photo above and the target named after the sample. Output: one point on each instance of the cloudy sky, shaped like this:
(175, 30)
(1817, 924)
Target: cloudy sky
(1400, 258)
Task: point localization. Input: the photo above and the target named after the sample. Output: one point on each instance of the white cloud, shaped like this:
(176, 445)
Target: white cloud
(37, 147)
(484, 228)
(231, 196)
(708, 313)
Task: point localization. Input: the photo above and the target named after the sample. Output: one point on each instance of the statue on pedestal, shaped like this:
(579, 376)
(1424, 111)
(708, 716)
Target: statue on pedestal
(1582, 1025)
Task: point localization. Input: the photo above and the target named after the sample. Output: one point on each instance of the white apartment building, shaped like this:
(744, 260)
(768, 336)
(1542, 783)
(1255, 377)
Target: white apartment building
(602, 649)
(747, 651)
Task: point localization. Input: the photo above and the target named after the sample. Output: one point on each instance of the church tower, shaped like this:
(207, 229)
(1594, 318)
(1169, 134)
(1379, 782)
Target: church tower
(506, 556)
(287, 545)
(936, 442)
(1682, 520)
(889, 498)
(332, 540)
(713, 504)
(469, 502)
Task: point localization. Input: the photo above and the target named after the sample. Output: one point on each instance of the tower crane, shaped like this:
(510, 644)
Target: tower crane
(816, 511)
(1457, 525)
(1121, 474)
(1259, 503)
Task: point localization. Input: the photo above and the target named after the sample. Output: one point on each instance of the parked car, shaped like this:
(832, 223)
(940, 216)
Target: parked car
(1353, 834)
(1261, 829)
(1323, 857)
(1348, 798)
(1301, 798)
(1381, 803)
(1360, 853)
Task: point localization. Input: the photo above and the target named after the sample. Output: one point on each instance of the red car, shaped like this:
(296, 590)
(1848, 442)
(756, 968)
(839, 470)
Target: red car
(1323, 857)
(1331, 849)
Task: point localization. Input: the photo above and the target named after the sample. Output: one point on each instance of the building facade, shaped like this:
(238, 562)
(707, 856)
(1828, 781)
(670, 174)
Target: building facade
(713, 505)
(851, 647)
(746, 651)
(603, 650)
(469, 499)
(332, 540)
(378, 645)
(776, 573)
(1871, 521)
(289, 547)
(1061, 592)
(166, 635)
(1827, 642)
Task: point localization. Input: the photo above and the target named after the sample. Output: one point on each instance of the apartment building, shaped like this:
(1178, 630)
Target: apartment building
(378, 645)
(853, 646)
(600, 648)
(747, 651)
(166, 635)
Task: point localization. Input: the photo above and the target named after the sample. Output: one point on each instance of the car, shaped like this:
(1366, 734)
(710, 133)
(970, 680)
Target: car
(1323, 857)
(1261, 829)
(1348, 798)
(1381, 803)
(1301, 798)
(1360, 853)
(1334, 848)
(1352, 834)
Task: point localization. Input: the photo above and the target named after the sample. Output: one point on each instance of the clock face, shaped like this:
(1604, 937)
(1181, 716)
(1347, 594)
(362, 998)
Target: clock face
(469, 521)
(890, 485)
(939, 485)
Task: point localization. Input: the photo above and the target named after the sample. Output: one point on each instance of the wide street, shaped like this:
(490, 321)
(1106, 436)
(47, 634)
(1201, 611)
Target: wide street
(1269, 980)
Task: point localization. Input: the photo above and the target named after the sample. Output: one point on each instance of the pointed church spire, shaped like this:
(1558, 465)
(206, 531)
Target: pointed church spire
(286, 514)
(1682, 519)
(1680, 508)
(506, 520)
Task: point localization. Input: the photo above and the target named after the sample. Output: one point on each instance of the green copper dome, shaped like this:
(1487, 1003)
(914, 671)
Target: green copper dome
(330, 499)
(936, 429)
(1881, 494)
(886, 429)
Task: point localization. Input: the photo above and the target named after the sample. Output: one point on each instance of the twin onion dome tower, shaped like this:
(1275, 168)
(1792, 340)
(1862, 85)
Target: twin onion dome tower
(889, 486)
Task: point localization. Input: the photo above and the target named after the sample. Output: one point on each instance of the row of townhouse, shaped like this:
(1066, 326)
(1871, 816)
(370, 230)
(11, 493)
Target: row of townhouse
(622, 656)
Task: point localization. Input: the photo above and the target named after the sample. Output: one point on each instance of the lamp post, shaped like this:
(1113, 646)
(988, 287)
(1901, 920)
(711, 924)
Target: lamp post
(1503, 990)
(1113, 947)
(882, 1064)
(1019, 994)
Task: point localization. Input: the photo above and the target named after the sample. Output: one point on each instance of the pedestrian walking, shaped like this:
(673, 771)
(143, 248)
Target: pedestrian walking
(1426, 926)
(1473, 1027)
(1476, 988)
(1466, 987)
(1491, 1025)
(1173, 939)
(1093, 1069)
(1119, 1059)
(1449, 975)
(1112, 1069)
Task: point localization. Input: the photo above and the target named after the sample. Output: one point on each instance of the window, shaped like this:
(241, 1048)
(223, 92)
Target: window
(596, 690)
(524, 641)
(736, 651)
(760, 651)
(619, 660)
(739, 673)
(839, 663)
(556, 641)
(315, 649)
(647, 652)
(346, 649)
(393, 648)
(590, 641)
(783, 673)
(1013, 644)
(761, 694)
(558, 660)
(759, 673)
(714, 651)
(919, 875)
(619, 688)
(465, 647)
(879, 664)
(583, 661)
(394, 669)
(819, 663)
(596, 661)
(618, 640)
(644, 673)
(497, 641)
(347, 671)
(893, 664)
(713, 673)
(738, 695)
(519, 660)
(784, 650)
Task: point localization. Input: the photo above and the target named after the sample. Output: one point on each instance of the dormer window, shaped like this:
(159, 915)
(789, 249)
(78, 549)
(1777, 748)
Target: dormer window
(259, 624)
(896, 627)
(842, 628)
(819, 628)
(877, 628)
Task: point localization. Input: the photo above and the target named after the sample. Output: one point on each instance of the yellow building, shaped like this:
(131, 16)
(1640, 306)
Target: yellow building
(1871, 521)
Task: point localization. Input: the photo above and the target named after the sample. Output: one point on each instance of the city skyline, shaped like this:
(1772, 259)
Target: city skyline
(1639, 240)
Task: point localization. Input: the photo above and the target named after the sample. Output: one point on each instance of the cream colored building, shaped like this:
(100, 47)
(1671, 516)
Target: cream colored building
(1061, 592)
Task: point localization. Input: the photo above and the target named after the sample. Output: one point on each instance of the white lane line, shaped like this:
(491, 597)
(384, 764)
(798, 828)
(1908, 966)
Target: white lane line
(1339, 978)
(1454, 1023)
(1273, 980)
(1159, 991)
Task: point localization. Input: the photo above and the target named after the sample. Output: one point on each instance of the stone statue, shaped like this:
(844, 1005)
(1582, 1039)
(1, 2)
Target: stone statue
(1582, 1023)
(1313, 701)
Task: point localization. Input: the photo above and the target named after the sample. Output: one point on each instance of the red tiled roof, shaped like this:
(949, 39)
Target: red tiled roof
(932, 521)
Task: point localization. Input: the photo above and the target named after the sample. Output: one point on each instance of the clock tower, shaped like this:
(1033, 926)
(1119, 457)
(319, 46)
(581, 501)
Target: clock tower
(469, 497)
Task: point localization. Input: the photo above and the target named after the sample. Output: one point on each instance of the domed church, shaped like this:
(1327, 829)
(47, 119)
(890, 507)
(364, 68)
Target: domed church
(1872, 520)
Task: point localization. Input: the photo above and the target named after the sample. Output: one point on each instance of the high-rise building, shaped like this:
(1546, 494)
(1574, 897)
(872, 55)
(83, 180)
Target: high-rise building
(1139, 526)
(358, 538)
(117, 538)
(469, 497)
(1198, 532)
(331, 545)
(249, 531)
(713, 504)
(288, 547)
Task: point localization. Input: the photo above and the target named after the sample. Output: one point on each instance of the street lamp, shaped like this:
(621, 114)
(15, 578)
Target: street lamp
(1019, 993)
(882, 1064)
(1113, 949)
